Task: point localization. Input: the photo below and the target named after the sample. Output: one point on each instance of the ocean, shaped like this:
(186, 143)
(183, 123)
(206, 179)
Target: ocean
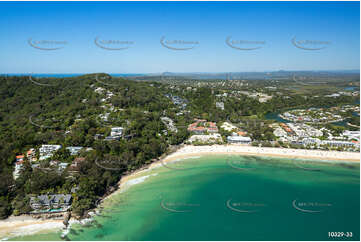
(230, 197)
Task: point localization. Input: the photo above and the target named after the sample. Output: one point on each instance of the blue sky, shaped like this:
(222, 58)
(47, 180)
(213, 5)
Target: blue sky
(205, 26)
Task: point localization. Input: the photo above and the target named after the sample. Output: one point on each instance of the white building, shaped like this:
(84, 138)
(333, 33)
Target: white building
(279, 132)
(47, 151)
(338, 143)
(311, 141)
(18, 166)
(74, 150)
(211, 138)
(220, 105)
(228, 127)
(116, 131)
(239, 139)
(352, 134)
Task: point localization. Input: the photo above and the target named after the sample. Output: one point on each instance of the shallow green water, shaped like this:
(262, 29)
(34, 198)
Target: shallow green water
(231, 198)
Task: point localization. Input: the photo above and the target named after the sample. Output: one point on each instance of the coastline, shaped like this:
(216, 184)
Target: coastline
(22, 225)
(330, 156)
(25, 224)
(188, 151)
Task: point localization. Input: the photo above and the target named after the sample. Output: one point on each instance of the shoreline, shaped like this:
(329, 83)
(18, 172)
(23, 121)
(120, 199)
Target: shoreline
(187, 151)
(330, 156)
(25, 224)
(15, 226)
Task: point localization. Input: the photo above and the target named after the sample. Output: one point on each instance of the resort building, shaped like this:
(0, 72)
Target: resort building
(201, 126)
(239, 139)
(211, 138)
(47, 151)
(339, 143)
(74, 150)
(60, 202)
(169, 124)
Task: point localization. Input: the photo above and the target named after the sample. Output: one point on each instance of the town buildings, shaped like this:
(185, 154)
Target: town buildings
(51, 203)
(201, 126)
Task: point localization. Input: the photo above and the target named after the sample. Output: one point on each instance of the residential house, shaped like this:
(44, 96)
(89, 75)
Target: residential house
(31, 155)
(116, 131)
(47, 151)
(74, 150)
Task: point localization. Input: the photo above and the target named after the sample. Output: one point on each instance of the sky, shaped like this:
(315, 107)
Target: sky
(154, 37)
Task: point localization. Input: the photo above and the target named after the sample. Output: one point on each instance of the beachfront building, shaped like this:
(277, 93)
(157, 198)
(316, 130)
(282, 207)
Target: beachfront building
(60, 202)
(239, 139)
(209, 139)
(311, 141)
(47, 151)
(337, 143)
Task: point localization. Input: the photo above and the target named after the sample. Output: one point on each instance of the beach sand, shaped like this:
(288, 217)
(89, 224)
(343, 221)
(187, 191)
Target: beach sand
(21, 225)
(26, 225)
(331, 156)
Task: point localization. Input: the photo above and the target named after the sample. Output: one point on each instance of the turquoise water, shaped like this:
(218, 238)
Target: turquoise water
(231, 198)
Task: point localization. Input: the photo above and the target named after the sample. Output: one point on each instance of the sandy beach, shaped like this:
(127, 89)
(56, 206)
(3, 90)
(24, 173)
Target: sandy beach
(22, 225)
(26, 225)
(191, 150)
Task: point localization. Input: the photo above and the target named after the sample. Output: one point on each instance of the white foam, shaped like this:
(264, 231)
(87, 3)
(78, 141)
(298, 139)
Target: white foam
(36, 228)
(135, 181)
